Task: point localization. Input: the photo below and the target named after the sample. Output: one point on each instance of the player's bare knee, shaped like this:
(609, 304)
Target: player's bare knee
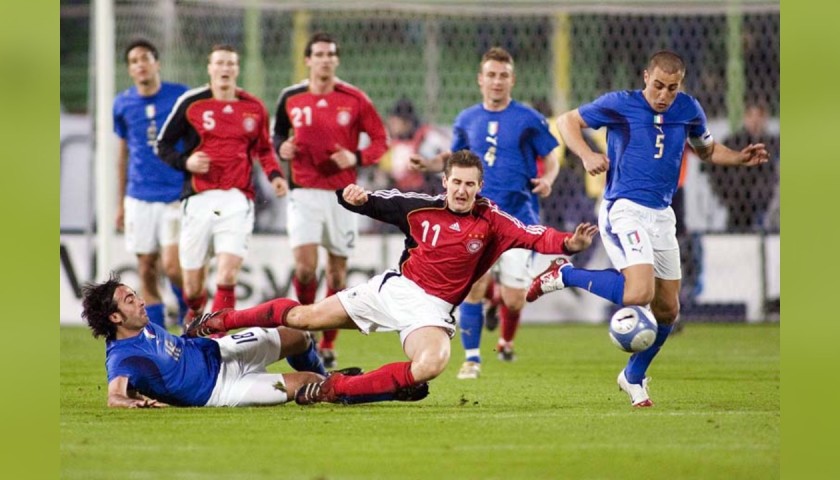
(425, 371)
(515, 305)
(641, 297)
(172, 270)
(638, 291)
(300, 317)
(665, 314)
(305, 274)
(192, 290)
(293, 341)
(336, 281)
(429, 365)
(147, 269)
(227, 276)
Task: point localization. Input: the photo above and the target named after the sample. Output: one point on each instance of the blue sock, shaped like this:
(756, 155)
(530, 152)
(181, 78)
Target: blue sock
(156, 314)
(182, 304)
(607, 284)
(472, 321)
(639, 362)
(308, 361)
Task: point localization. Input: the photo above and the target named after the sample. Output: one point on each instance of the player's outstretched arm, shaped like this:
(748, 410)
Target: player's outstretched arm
(754, 154)
(719, 154)
(119, 396)
(581, 239)
(434, 164)
(355, 195)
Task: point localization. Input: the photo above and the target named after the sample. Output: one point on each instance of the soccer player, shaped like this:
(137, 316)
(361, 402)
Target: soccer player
(222, 128)
(148, 188)
(317, 127)
(647, 131)
(451, 241)
(148, 367)
(509, 137)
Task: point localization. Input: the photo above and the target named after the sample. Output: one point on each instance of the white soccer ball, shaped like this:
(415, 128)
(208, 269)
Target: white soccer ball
(633, 329)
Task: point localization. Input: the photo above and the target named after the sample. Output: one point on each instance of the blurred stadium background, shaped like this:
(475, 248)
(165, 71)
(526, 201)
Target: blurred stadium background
(427, 52)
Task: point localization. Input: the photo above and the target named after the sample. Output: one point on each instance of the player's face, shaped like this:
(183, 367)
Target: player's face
(496, 80)
(142, 66)
(462, 185)
(323, 60)
(131, 309)
(223, 69)
(661, 88)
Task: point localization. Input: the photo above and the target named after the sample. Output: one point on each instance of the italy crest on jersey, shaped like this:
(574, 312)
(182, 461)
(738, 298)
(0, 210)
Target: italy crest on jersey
(492, 128)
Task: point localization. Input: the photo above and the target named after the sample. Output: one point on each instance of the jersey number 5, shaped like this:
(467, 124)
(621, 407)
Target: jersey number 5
(660, 144)
(208, 121)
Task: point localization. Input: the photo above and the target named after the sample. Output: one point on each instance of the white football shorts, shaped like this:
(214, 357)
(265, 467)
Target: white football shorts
(389, 302)
(514, 268)
(224, 216)
(150, 225)
(634, 234)
(315, 216)
(243, 380)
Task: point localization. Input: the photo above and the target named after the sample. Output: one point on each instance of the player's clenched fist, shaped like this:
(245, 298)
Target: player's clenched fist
(355, 195)
(198, 162)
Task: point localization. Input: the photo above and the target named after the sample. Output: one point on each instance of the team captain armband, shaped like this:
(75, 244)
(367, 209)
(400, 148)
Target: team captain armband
(702, 141)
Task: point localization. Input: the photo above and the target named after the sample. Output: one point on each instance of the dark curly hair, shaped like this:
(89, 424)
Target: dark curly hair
(98, 304)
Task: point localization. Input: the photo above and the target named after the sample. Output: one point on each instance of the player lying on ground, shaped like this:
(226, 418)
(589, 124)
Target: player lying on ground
(148, 367)
(451, 240)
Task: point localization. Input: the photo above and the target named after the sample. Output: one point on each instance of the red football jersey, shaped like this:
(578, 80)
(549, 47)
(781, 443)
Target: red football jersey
(231, 133)
(321, 122)
(446, 252)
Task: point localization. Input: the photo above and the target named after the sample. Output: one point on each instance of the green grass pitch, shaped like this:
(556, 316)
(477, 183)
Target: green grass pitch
(554, 413)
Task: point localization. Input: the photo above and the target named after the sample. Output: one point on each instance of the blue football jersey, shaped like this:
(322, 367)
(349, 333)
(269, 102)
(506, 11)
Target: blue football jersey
(175, 370)
(509, 143)
(137, 120)
(645, 147)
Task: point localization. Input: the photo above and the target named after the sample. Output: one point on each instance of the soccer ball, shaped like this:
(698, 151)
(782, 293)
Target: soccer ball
(633, 329)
